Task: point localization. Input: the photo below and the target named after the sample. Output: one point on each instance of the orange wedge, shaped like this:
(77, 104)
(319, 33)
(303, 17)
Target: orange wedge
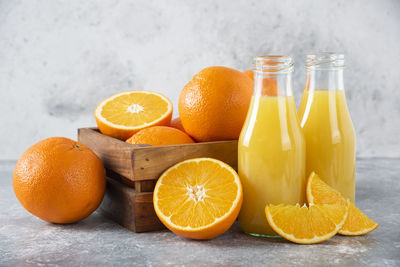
(198, 198)
(306, 225)
(357, 223)
(126, 113)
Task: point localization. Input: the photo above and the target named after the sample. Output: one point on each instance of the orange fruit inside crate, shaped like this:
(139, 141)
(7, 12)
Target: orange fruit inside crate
(160, 136)
(176, 123)
(213, 105)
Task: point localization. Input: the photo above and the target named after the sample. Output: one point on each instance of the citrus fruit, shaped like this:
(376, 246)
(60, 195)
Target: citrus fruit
(198, 198)
(214, 104)
(160, 136)
(126, 113)
(319, 192)
(59, 180)
(306, 225)
(176, 123)
(249, 73)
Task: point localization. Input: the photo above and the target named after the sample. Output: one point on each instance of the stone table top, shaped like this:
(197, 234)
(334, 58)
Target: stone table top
(96, 241)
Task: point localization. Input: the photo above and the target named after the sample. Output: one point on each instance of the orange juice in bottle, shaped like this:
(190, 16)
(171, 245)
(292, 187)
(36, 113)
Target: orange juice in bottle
(326, 122)
(271, 149)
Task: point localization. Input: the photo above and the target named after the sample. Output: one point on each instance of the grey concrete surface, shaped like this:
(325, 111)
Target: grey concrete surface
(59, 59)
(96, 241)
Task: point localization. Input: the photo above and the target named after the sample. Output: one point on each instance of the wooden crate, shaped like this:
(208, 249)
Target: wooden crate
(129, 208)
(133, 170)
(140, 166)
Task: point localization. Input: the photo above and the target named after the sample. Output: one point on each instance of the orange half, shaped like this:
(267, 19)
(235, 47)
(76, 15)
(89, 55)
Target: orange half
(319, 192)
(198, 198)
(306, 225)
(126, 113)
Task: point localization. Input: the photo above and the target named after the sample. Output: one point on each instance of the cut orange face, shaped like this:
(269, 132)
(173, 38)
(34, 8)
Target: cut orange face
(319, 192)
(306, 225)
(126, 113)
(198, 198)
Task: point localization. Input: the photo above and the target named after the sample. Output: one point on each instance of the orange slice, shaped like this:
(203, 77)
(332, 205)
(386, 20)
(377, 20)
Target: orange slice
(126, 113)
(357, 223)
(306, 225)
(198, 198)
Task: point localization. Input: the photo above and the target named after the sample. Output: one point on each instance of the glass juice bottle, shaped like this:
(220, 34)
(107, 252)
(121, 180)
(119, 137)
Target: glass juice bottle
(327, 125)
(271, 149)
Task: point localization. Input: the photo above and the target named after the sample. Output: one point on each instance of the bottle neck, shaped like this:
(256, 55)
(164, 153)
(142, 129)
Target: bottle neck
(273, 76)
(273, 84)
(324, 71)
(324, 79)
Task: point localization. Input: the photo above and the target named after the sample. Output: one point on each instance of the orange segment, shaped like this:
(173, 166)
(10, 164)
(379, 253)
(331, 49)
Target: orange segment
(198, 198)
(319, 192)
(126, 113)
(357, 223)
(305, 225)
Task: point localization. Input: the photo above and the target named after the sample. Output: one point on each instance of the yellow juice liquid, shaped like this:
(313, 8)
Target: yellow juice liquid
(330, 138)
(271, 160)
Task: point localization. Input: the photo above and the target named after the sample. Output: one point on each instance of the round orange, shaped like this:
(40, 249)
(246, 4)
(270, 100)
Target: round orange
(249, 73)
(176, 123)
(59, 180)
(214, 104)
(160, 136)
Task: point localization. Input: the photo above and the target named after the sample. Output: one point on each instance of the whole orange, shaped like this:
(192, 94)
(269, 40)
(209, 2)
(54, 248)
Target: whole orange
(176, 123)
(214, 104)
(249, 73)
(160, 136)
(59, 180)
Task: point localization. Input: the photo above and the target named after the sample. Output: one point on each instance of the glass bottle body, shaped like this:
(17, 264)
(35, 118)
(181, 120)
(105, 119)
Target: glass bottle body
(271, 148)
(327, 125)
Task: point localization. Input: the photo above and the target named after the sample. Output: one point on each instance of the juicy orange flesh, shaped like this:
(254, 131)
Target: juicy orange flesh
(134, 109)
(318, 192)
(357, 222)
(196, 193)
(324, 194)
(306, 223)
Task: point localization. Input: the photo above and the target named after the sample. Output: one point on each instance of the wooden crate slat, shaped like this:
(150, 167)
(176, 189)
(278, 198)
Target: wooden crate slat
(150, 163)
(115, 154)
(129, 208)
(145, 186)
(137, 164)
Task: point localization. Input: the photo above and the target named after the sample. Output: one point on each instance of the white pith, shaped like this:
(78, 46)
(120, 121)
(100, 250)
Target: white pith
(134, 108)
(196, 193)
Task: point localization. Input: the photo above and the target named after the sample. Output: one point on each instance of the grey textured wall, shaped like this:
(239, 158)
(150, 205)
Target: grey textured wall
(58, 59)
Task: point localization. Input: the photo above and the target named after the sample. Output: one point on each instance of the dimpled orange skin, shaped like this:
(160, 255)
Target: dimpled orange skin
(160, 136)
(213, 105)
(59, 180)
